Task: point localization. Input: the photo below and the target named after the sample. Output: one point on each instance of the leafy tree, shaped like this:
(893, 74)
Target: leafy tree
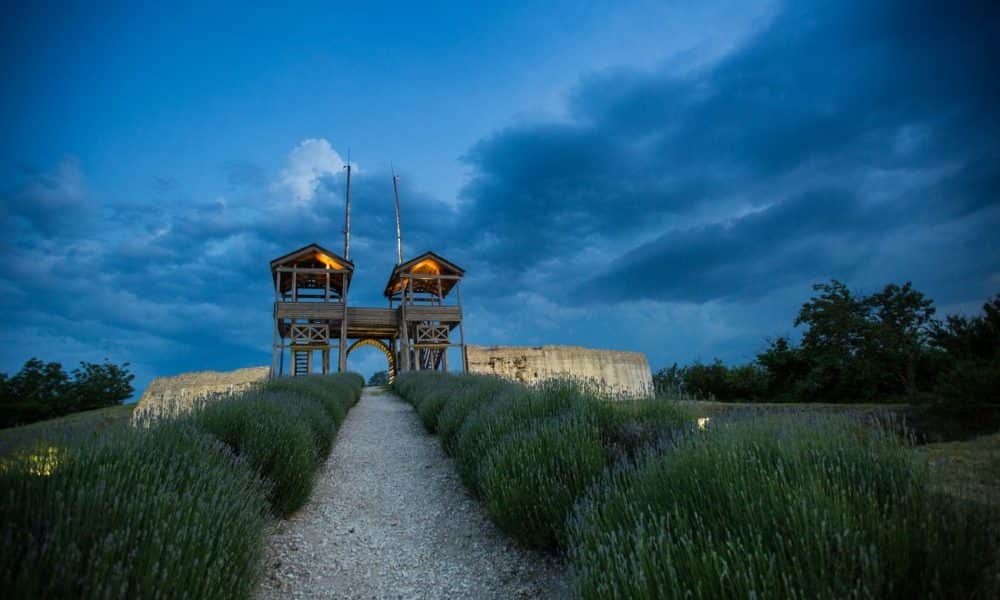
(44, 390)
(862, 348)
(970, 337)
(379, 378)
(902, 320)
(971, 350)
(784, 369)
(669, 381)
(97, 386)
(836, 344)
(716, 381)
(40, 389)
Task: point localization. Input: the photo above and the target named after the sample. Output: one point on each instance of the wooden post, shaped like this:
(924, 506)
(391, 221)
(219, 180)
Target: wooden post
(404, 346)
(295, 285)
(404, 337)
(461, 327)
(274, 351)
(394, 348)
(326, 297)
(342, 350)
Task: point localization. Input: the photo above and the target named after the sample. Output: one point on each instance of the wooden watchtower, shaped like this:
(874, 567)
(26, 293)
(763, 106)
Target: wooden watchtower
(310, 309)
(418, 289)
(312, 316)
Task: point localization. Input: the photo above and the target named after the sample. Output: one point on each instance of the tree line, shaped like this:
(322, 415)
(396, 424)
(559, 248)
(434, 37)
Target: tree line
(42, 391)
(887, 346)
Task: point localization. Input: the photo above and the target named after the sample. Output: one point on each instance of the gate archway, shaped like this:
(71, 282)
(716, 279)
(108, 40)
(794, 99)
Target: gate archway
(378, 345)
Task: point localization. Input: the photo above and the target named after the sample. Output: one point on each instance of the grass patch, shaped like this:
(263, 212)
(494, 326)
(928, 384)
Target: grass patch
(969, 470)
(88, 423)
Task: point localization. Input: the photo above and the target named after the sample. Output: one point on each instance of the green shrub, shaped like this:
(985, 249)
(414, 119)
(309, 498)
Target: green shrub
(167, 510)
(427, 392)
(777, 508)
(971, 381)
(472, 393)
(323, 427)
(429, 407)
(510, 410)
(627, 427)
(164, 513)
(269, 431)
(530, 479)
(327, 393)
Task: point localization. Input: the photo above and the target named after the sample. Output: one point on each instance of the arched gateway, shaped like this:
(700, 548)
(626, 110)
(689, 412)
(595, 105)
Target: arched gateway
(377, 344)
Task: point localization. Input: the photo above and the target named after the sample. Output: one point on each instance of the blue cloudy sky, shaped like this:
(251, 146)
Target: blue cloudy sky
(668, 177)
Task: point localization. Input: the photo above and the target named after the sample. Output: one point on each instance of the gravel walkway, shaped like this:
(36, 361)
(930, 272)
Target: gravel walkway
(389, 518)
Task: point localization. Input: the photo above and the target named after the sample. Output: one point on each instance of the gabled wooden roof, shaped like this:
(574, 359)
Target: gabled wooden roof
(314, 256)
(428, 263)
(313, 253)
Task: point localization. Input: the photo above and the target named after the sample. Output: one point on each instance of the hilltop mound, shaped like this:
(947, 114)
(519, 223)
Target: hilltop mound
(171, 396)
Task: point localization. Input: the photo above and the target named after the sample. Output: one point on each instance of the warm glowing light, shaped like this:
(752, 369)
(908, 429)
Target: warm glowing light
(426, 267)
(40, 463)
(329, 262)
(703, 422)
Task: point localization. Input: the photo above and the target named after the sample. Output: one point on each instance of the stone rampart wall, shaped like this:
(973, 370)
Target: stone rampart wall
(614, 372)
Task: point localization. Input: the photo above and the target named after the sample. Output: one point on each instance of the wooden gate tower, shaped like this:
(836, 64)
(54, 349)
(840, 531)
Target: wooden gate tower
(312, 316)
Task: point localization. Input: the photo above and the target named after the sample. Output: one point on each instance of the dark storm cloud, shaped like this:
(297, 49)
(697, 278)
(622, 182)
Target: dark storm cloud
(856, 140)
(48, 203)
(748, 256)
(830, 96)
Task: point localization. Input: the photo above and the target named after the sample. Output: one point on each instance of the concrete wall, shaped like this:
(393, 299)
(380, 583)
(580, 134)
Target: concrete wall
(619, 373)
(172, 396)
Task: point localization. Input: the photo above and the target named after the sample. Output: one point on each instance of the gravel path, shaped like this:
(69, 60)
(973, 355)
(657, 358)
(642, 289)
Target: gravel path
(389, 518)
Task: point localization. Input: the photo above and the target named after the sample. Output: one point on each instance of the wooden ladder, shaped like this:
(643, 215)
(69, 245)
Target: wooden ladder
(301, 362)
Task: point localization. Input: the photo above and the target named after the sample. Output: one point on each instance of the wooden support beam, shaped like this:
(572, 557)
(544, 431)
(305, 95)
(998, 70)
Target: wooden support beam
(428, 276)
(342, 349)
(274, 352)
(309, 270)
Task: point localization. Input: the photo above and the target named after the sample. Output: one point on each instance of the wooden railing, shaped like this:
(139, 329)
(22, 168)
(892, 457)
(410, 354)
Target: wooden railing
(308, 310)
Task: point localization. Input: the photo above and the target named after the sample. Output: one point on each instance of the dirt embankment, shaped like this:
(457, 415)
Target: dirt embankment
(172, 396)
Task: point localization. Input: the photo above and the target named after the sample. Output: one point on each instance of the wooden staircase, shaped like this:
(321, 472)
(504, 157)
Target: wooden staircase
(302, 362)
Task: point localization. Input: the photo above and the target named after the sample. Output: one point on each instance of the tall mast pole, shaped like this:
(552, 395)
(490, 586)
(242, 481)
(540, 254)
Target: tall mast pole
(399, 234)
(347, 211)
